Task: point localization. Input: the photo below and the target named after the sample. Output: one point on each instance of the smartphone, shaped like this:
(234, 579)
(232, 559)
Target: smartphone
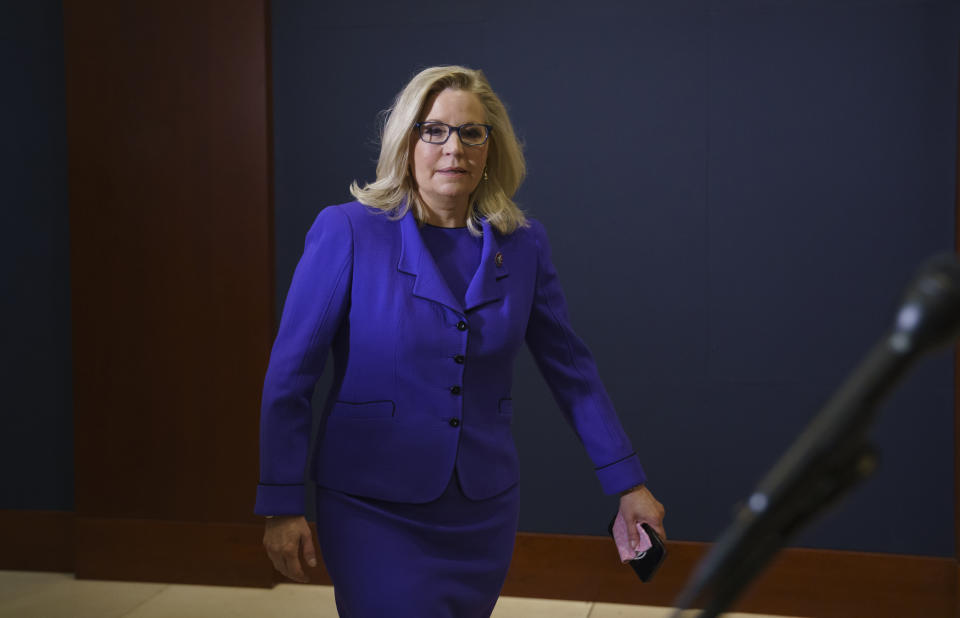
(646, 564)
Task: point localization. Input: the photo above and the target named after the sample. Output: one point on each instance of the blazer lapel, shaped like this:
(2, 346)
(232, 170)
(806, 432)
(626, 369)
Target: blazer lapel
(416, 260)
(485, 286)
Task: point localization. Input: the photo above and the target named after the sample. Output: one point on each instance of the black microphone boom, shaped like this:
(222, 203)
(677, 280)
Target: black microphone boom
(832, 454)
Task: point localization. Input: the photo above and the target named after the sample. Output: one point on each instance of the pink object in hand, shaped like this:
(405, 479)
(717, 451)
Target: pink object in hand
(623, 542)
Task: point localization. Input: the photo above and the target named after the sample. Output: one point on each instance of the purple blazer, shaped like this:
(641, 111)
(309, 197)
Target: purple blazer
(421, 382)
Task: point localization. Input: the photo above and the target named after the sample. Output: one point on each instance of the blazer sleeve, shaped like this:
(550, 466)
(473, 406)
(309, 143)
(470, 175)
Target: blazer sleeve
(315, 306)
(571, 373)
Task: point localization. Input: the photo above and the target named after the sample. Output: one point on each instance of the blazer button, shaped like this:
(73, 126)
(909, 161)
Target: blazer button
(455, 390)
(461, 325)
(458, 359)
(454, 422)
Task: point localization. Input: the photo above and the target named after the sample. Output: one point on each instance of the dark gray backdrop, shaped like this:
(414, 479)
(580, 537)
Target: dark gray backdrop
(36, 431)
(736, 193)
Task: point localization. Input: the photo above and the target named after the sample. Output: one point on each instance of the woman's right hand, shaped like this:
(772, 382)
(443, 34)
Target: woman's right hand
(285, 539)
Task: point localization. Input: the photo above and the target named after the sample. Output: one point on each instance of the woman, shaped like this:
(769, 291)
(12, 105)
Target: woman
(425, 289)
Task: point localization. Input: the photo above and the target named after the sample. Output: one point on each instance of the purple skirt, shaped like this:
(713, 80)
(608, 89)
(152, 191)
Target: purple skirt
(446, 558)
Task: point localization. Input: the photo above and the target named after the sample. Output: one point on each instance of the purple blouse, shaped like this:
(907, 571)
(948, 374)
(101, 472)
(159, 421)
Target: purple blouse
(457, 254)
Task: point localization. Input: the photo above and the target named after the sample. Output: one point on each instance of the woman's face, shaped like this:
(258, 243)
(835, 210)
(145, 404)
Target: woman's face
(446, 174)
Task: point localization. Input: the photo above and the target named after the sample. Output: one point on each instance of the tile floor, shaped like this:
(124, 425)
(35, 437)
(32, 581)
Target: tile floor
(26, 594)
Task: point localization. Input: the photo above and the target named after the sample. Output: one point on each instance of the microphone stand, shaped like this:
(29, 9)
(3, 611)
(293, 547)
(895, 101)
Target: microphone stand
(832, 454)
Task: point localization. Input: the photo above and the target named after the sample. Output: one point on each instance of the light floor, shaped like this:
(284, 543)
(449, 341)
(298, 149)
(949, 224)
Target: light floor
(26, 594)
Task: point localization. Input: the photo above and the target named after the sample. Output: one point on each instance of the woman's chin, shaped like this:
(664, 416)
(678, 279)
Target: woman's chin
(448, 192)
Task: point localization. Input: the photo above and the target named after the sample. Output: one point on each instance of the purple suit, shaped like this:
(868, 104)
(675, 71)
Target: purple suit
(421, 382)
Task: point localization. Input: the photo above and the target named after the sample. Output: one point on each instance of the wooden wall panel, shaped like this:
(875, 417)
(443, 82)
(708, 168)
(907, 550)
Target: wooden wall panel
(36, 540)
(216, 554)
(171, 256)
(801, 582)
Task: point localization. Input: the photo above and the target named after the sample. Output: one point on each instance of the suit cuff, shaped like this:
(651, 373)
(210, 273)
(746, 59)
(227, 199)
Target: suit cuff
(621, 475)
(280, 499)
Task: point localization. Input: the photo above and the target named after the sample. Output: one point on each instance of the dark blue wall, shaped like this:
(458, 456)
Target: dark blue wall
(36, 439)
(736, 193)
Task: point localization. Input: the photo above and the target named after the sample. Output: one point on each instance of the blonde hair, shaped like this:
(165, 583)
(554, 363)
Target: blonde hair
(394, 190)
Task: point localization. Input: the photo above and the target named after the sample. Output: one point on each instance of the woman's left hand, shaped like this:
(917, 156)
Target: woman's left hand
(639, 506)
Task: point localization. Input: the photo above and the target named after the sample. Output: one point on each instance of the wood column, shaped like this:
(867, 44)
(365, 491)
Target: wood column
(169, 137)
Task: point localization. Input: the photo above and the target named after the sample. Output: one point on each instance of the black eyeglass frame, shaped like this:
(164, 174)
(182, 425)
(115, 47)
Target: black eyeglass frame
(450, 131)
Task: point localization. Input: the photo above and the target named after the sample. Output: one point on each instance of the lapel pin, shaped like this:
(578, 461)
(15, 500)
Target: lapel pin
(498, 259)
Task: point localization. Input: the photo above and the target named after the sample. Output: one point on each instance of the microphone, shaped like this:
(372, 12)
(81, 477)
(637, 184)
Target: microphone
(832, 454)
(929, 315)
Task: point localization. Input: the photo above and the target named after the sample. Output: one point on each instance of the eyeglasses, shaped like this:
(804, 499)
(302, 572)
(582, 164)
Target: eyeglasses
(471, 134)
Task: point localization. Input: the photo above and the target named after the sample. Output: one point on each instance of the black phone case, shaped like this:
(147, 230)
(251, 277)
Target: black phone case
(646, 565)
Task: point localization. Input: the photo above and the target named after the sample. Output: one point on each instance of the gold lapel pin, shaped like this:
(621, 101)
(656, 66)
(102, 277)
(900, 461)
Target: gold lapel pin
(498, 259)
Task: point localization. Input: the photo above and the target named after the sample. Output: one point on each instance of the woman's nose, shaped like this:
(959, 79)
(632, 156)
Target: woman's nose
(453, 145)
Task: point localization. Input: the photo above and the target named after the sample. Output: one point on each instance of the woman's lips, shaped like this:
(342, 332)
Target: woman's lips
(452, 171)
